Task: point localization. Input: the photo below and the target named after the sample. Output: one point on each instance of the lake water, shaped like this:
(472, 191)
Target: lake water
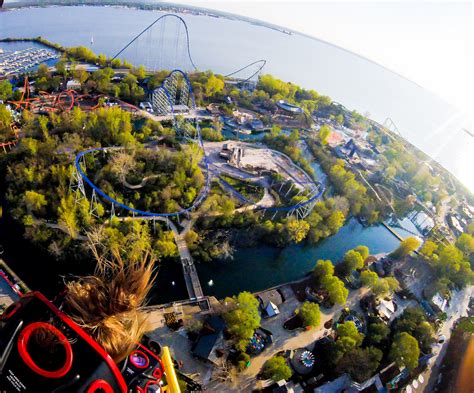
(224, 45)
(261, 267)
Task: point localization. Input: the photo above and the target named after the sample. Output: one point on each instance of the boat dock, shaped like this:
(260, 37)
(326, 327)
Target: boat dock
(14, 62)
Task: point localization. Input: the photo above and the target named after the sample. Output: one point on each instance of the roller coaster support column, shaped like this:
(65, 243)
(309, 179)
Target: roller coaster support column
(93, 205)
(76, 186)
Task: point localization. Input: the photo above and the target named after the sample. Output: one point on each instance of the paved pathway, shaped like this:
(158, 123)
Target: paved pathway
(457, 309)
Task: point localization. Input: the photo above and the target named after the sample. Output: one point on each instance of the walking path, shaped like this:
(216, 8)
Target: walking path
(457, 309)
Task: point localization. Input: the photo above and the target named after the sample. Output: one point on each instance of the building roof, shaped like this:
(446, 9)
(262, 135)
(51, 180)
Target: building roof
(272, 310)
(272, 295)
(207, 343)
(439, 301)
(73, 82)
(386, 308)
(335, 138)
(286, 106)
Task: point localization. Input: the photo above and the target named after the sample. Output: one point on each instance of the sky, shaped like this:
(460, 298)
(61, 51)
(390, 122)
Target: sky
(428, 42)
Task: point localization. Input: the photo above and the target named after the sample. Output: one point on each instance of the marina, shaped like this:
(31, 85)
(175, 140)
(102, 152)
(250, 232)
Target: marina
(18, 61)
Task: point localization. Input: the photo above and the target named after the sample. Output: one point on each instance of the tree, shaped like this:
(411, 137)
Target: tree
(6, 90)
(465, 243)
(297, 230)
(405, 351)
(369, 278)
(277, 369)
(335, 221)
(348, 338)
(377, 332)
(363, 251)
(5, 121)
(213, 85)
(349, 329)
(310, 314)
(244, 318)
(67, 216)
(406, 247)
(324, 133)
(413, 321)
(428, 248)
(34, 201)
(360, 363)
(352, 261)
(322, 269)
(337, 292)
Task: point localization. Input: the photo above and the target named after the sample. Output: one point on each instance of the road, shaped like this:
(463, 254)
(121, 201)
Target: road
(457, 309)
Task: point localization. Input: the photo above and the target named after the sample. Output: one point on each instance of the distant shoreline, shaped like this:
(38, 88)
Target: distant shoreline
(146, 6)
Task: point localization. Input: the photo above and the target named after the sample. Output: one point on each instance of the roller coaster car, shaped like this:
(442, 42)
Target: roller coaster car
(43, 351)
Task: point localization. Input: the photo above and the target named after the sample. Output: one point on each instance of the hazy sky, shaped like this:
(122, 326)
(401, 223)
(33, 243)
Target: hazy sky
(427, 42)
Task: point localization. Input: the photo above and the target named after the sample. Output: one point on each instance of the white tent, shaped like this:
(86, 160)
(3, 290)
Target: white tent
(272, 310)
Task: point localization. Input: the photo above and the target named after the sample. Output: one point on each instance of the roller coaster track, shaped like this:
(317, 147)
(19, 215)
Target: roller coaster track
(188, 48)
(150, 26)
(263, 63)
(7, 146)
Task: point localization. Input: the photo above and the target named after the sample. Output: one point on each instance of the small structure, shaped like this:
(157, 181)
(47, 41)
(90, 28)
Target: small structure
(73, 84)
(272, 310)
(259, 341)
(269, 302)
(180, 108)
(302, 361)
(226, 152)
(211, 339)
(213, 109)
(289, 108)
(357, 320)
(146, 106)
(440, 302)
(256, 125)
(386, 309)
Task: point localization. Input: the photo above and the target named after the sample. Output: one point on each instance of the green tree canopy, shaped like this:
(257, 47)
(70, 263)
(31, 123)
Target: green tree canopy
(337, 292)
(324, 133)
(406, 247)
(277, 369)
(405, 351)
(244, 318)
(428, 248)
(465, 243)
(310, 314)
(360, 363)
(34, 201)
(377, 332)
(363, 251)
(353, 260)
(349, 329)
(413, 321)
(369, 278)
(322, 269)
(6, 90)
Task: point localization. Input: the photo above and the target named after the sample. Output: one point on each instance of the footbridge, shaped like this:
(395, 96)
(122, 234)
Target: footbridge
(191, 278)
